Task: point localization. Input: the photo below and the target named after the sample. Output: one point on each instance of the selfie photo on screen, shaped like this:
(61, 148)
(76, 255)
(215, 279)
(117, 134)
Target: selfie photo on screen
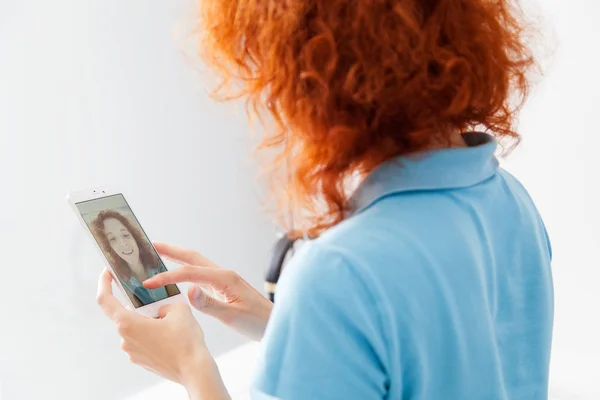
(126, 246)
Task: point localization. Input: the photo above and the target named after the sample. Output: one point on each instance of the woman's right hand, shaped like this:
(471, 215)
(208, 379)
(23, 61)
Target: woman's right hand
(241, 306)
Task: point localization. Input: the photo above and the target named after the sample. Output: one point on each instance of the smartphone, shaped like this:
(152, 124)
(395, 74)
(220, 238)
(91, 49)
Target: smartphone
(126, 249)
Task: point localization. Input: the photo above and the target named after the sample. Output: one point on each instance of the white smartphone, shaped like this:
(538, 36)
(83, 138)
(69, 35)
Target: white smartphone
(126, 249)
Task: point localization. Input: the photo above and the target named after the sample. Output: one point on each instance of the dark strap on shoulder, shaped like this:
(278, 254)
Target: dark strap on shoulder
(280, 251)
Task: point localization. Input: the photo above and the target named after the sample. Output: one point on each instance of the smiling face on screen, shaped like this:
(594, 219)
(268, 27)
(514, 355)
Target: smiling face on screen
(121, 241)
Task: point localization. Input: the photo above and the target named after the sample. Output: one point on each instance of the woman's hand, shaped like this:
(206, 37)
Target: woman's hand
(242, 307)
(172, 346)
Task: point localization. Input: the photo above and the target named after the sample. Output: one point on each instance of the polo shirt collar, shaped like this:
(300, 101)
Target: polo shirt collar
(430, 170)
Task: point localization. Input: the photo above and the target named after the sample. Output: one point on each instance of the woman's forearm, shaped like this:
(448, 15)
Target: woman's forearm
(202, 380)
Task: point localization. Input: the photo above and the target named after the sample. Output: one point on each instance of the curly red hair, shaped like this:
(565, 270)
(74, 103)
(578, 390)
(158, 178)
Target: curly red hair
(148, 257)
(353, 83)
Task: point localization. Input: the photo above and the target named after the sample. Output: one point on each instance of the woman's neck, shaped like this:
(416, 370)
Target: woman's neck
(138, 270)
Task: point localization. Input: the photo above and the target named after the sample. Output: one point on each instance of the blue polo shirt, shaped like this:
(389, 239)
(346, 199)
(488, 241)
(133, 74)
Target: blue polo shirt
(437, 287)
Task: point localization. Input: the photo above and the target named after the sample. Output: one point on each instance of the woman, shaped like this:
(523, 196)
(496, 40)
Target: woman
(431, 279)
(131, 257)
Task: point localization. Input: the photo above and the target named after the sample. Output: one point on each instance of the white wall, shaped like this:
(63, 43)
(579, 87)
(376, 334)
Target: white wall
(558, 162)
(97, 92)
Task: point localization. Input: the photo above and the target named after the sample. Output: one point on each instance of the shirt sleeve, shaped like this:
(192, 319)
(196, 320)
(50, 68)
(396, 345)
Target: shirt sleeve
(324, 339)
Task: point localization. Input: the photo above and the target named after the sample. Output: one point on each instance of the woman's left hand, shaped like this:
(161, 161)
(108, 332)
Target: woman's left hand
(172, 346)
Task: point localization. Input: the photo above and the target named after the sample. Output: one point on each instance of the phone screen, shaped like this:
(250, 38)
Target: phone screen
(126, 247)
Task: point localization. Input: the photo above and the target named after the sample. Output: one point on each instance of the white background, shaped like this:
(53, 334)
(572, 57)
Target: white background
(558, 163)
(95, 92)
(99, 92)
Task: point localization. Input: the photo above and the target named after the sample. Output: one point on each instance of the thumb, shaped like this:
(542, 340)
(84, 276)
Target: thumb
(205, 303)
(169, 308)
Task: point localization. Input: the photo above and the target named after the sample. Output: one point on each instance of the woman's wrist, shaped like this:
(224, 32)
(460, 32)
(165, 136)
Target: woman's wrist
(201, 378)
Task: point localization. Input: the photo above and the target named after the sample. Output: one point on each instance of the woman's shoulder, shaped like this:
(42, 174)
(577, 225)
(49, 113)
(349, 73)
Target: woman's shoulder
(320, 267)
(369, 236)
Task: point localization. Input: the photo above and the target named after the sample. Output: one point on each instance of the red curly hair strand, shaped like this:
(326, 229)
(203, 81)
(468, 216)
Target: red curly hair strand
(353, 83)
